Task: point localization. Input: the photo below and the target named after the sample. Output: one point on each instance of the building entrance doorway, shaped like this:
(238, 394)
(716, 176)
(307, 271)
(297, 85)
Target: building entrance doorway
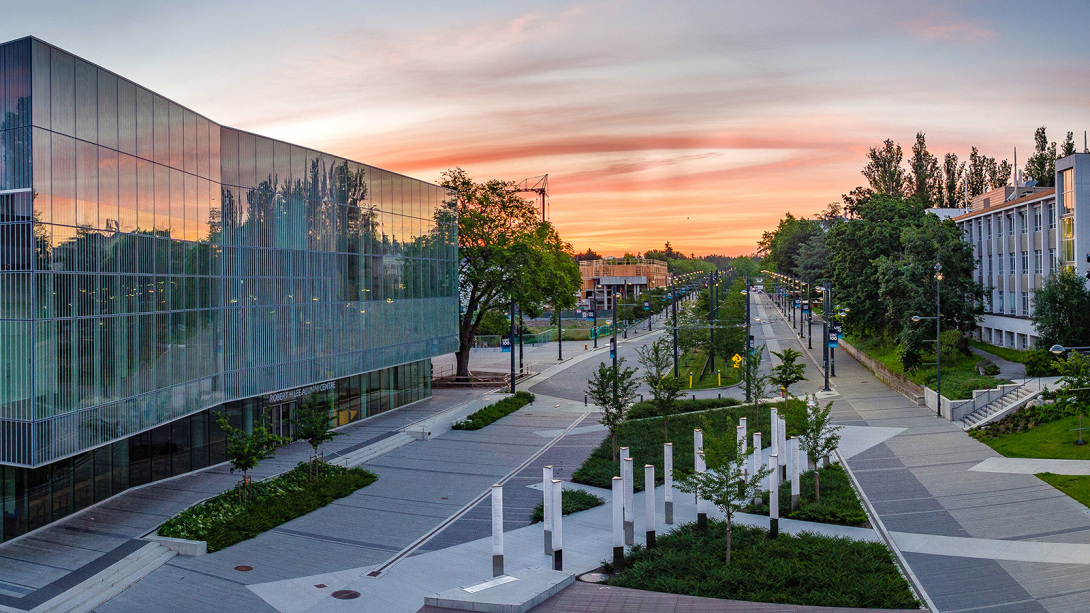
(281, 419)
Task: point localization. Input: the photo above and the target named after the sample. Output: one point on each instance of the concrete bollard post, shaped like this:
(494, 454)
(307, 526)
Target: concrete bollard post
(558, 526)
(547, 504)
(701, 505)
(668, 478)
(757, 464)
(782, 449)
(629, 512)
(793, 450)
(618, 524)
(649, 502)
(497, 530)
(773, 434)
(773, 497)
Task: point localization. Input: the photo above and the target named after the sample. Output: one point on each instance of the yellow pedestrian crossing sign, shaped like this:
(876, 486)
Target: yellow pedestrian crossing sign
(737, 359)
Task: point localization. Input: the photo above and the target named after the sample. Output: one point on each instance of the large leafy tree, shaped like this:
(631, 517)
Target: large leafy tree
(925, 181)
(854, 248)
(506, 252)
(1061, 310)
(780, 248)
(953, 182)
(1041, 166)
(907, 282)
(883, 170)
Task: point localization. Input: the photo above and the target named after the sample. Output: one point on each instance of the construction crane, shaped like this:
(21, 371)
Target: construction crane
(537, 185)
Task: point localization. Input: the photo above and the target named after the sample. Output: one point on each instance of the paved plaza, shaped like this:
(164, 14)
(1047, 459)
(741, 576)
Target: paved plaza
(978, 532)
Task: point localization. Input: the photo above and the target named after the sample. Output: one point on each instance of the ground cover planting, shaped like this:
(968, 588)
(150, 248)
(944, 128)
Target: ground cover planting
(494, 412)
(839, 504)
(805, 570)
(1052, 439)
(238, 515)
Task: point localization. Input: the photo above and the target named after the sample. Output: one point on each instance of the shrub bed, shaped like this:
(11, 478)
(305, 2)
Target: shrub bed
(495, 411)
(838, 505)
(1053, 439)
(1026, 418)
(644, 439)
(643, 410)
(804, 570)
(227, 519)
(571, 501)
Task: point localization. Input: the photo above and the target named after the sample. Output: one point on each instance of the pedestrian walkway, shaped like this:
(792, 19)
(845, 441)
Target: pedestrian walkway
(1033, 466)
(54, 559)
(921, 482)
(1007, 369)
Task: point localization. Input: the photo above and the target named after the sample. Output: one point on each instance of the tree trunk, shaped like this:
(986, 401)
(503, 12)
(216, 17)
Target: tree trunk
(465, 343)
(728, 538)
(817, 485)
(613, 438)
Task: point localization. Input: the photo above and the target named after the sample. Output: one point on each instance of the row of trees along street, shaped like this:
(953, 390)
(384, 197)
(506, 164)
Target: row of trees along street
(881, 250)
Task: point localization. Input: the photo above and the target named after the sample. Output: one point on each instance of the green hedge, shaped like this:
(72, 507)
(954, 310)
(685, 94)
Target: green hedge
(224, 520)
(803, 570)
(838, 505)
(643, 410)
(571, 501)
(494, 411)
(644, 439)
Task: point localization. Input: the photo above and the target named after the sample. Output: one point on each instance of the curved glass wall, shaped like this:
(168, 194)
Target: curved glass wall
(156, 264)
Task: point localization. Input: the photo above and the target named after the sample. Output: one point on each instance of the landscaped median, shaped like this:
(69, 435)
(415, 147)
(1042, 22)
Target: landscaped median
(807, 569)
(838, 505)
(241, 514)
(494, 412)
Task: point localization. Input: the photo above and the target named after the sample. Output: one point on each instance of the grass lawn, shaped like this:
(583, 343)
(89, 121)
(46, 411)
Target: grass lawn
(1075, 486)
(958, 379)
(803, 570)
(693, 363)
(644, 438)
(838, 505)
(1048, 440)
(224, 520)
(571, 501)
(1011, 355)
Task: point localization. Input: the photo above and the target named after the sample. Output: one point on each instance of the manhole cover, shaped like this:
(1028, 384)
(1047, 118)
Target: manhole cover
(244, 569)
(321, 586)
(593, 577)
(346, 594)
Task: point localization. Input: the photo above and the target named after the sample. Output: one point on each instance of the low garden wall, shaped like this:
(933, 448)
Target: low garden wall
(957, 410)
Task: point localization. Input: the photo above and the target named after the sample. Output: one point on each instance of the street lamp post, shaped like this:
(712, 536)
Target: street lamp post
(825, 331)
(673, 307)
(809, 316)
(511, 344)
(594, 315)
(938, 337)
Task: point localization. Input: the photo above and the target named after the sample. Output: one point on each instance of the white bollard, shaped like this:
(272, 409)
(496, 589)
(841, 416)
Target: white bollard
(497, 530)
(698, 446)
(793, 450)
(668, 478)
(649, 502)
(629, 512)
(773, 434)
(547, 503)
(757, 464)
(782, 448)
(558, 526)
(618, 524)
(701, 505)
(773, 497)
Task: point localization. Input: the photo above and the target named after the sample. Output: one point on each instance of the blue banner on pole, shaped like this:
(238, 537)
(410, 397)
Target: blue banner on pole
(505, 345)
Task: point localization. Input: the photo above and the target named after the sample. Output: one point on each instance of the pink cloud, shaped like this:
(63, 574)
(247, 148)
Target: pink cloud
(944, 25)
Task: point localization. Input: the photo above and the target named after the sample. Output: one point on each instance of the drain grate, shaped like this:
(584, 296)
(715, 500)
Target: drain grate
(346, 594)
(244, 568)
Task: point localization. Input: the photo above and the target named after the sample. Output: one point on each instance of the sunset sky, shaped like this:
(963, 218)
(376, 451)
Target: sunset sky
(699, 123)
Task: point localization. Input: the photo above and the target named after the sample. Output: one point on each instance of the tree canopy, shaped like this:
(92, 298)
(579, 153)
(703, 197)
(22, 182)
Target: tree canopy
(507, 252)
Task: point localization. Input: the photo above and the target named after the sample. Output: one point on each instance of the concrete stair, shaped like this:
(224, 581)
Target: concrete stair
(999, 407)
(110, 582)
(386, 445)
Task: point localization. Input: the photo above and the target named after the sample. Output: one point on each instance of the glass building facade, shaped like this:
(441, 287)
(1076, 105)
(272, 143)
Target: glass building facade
(155, 265)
